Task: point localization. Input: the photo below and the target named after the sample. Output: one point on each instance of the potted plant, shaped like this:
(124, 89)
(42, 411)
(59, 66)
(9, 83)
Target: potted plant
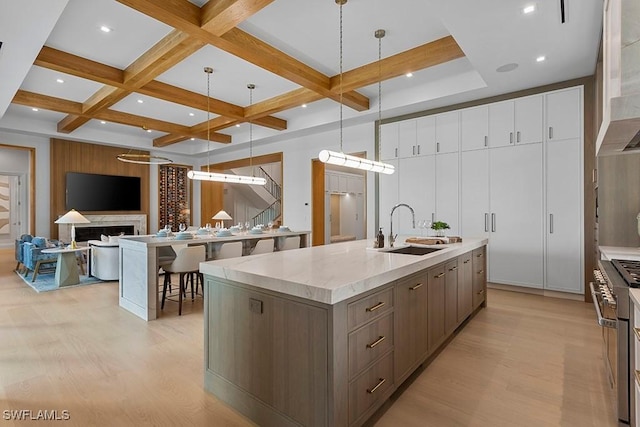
(439, 227)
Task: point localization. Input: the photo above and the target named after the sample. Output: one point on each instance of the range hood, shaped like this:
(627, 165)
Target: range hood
(620, 129)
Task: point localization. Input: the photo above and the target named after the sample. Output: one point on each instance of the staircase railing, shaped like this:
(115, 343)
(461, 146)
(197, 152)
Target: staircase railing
(269, 214)
(271, 186)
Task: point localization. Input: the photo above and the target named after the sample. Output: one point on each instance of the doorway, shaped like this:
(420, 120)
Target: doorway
(13, 212)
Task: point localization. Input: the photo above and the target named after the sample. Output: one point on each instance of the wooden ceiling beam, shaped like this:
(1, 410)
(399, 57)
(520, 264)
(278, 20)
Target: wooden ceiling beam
(68, 63)
(427, 55)
(220, 16)
(73, 108)
(179, 14)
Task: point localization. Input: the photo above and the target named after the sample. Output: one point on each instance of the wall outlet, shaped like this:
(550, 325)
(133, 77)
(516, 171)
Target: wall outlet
(255, 305)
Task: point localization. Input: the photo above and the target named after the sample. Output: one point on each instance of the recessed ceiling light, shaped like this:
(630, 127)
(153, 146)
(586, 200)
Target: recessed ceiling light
(529, 9)
(149, 130)
(540, 58)
(304, 105)
(60, 80)
(507, 67)
(238, 125)
(102, 122)
(140, 101)
(191, 114)
(34, 109)
(105, 29)
(409, 74)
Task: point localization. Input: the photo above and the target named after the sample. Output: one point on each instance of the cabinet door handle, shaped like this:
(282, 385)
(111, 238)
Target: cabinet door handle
(466, 261)
(437, 147)
(510, 137)
(637, 375)
(433, 217)
(550, 132)
(481, 271)
(413, 288)
(396, 151)
(376, 342)
(518, 136)
(637, 332)
(486, 140)
(437, 276)
(551, 223)
(380, 382)
(454, 268)
(375, 307)
(481, 291)
(486, 222)
(480, 255)
(493, 223)
(418, 149)
(414, 150)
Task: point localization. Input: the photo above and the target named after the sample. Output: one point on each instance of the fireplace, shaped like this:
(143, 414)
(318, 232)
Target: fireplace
(109, 225)
(84, 234)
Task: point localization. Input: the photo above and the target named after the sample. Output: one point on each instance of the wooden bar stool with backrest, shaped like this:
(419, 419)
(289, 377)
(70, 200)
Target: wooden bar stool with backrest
(187, 261)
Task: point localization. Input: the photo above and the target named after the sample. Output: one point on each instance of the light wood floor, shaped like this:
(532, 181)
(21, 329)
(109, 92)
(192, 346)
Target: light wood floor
(524, 361)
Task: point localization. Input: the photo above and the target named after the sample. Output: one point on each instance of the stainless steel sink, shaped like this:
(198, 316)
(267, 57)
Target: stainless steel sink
(413, 250)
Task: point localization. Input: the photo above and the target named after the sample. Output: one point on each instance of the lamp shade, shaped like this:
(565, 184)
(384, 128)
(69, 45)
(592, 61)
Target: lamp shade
(72, 217)
(221, 215)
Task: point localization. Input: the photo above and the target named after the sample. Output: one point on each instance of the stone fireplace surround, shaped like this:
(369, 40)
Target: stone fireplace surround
(139, 223)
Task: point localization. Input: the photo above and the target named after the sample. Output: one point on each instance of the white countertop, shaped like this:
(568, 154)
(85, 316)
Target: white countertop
(331, 273)
(153, 240)
(608, 253)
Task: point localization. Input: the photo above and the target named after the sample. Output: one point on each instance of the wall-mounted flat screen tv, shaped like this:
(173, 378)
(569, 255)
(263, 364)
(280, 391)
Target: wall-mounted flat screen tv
(93, 192)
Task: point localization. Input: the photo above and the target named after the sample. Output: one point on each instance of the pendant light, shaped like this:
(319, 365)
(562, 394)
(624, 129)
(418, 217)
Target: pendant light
(143, 159)
(340, 158)
(215, 176)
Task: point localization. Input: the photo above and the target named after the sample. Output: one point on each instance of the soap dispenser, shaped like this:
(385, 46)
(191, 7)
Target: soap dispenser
(380, 238)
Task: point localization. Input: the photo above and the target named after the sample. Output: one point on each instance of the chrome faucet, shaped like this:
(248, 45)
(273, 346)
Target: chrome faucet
(392, 238)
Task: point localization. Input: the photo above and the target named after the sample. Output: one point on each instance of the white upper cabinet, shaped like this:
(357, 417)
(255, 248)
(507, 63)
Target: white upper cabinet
(564, 115)
(426, 135)
(388, 195)
(407, 145)
(528, 119)
(474, 193)
(515, 122)
(388, 139)
(501, 124)
(474, 128)
(447, 132)
(447, 176)
(417, 188)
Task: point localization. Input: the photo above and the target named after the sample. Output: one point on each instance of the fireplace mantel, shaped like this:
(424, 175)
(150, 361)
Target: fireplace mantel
(139, 223)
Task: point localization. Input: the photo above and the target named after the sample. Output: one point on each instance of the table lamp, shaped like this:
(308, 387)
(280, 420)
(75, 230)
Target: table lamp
(221, 215)
(72, 217)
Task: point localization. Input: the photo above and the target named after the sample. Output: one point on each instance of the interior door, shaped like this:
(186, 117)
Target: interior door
(516, 248)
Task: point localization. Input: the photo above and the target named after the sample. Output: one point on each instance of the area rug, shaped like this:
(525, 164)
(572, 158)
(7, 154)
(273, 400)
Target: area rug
(47, 281)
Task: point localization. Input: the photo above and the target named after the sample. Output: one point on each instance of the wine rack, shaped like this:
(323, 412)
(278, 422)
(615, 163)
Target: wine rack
(174, 196)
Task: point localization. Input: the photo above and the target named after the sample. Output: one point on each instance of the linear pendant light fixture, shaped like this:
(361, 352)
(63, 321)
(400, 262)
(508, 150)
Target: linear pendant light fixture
(216, 176)
(347, 160)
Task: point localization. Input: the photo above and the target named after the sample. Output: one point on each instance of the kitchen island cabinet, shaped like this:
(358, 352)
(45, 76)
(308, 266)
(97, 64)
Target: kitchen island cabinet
(304, 338)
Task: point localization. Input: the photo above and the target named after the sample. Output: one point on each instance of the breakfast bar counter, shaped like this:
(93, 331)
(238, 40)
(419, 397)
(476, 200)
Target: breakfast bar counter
(139, 268)
(322, 336)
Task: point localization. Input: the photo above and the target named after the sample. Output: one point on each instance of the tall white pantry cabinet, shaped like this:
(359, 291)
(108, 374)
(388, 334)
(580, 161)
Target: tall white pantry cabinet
(511, 171)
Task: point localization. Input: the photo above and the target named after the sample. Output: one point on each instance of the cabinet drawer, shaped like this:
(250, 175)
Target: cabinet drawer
(370, 388)
(369, 343)
(362, 311)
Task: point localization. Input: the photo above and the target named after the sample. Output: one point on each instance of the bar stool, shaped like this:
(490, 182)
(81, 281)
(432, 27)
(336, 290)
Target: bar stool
(263, 247)
(230, 250)
(291, 243)
(166, 255)
(187, 261)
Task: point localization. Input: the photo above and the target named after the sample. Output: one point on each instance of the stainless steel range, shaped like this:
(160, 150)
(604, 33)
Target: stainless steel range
(610, 292)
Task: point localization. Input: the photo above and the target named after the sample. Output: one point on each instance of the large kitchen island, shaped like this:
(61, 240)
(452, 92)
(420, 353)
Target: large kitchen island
(323, 336)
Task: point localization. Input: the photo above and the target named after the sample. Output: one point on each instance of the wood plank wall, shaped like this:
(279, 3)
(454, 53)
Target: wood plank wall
(69, 156)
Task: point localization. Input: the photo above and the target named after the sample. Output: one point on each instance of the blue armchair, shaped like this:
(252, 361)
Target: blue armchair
(33, 258)
(18, 251)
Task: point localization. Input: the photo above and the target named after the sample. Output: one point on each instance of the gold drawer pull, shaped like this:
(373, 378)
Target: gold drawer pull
(481, 271)
(376, 342)
(377, 386)
(637, 375)
(637, 332)
(455, 267)
(375, 307)
(466, 261)
(479, 255)
(438, 276)
(480, 292)
(418, 286)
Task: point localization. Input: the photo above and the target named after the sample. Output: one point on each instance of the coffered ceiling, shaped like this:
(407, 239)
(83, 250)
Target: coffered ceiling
(142, 84)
